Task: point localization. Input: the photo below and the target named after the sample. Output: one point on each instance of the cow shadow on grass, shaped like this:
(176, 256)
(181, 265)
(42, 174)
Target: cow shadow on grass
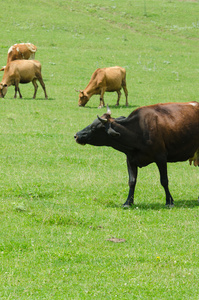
(37, 99)
(137, 206)
(113, 107)
(155, 206)
(186, 203)
(178, 204)
(123, 106)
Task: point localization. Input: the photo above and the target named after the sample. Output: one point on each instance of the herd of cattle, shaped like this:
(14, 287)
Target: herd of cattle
(19, 69)
(157, 133)
(22, 68)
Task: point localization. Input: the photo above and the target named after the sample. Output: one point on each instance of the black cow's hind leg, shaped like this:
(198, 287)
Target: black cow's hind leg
(132, 170)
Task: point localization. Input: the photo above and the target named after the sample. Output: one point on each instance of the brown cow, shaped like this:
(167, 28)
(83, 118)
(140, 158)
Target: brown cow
(104, 80)
(21, 71)
(159, 133)
(21, 51)
(195, 159)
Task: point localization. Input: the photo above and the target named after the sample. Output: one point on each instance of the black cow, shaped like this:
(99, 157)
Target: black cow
(157, 133)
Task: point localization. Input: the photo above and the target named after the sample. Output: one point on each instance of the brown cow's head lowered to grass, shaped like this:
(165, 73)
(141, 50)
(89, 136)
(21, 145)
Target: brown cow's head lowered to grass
(83, 98)
(3, 90)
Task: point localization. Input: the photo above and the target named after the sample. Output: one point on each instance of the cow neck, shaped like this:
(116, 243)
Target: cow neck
(90, 89)
(127, 140)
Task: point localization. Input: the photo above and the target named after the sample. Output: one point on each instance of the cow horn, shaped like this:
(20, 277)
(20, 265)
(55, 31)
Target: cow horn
(102, 120)
(108, 110)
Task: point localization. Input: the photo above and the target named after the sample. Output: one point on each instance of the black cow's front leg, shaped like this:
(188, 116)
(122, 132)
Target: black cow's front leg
(162, 166)
(132, 170)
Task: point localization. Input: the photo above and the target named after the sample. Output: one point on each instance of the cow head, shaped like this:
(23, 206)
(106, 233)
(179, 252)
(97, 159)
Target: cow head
(3, 90)
(99, 132)
(83, 98)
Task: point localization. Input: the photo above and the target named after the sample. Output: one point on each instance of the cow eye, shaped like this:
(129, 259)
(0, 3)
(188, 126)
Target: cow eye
(95, 127)
(92, 128)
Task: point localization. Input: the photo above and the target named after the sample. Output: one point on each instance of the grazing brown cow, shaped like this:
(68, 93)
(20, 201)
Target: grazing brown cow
(104, 80)
(157, 133)
(21, 71)
(195, 159)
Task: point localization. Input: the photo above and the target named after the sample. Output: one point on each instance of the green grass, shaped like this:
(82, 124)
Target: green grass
(61, 202)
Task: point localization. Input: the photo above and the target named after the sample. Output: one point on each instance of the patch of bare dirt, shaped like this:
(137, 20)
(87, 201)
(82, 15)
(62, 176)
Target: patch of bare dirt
(116, 240)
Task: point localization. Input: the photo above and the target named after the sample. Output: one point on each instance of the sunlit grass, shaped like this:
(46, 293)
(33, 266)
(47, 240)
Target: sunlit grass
(62, 202)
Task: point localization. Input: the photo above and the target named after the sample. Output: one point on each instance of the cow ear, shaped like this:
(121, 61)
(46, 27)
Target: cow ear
(112, 132)
(85, 94)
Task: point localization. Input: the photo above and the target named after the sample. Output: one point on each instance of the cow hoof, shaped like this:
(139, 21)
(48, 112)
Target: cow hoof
(169, 205)
(126, 206)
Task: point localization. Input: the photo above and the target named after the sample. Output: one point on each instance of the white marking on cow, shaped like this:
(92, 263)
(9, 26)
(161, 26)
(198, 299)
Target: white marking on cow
(10, 49)
(31, 47)
(193, 103)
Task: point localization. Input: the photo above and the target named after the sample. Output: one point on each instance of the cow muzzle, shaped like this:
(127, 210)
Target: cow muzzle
(77, 140)
(1, 94)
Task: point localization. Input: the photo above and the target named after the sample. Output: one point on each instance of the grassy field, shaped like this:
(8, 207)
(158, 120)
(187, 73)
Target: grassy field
(60, 202)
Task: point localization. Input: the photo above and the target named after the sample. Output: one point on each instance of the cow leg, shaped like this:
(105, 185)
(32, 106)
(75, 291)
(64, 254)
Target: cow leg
(43, 85)
(35, 86)
(118, 98)
(126, 94)
(102, 104)
(17, 90)
(20, 95)
(132, 170)
(125, 90)
(162, 166)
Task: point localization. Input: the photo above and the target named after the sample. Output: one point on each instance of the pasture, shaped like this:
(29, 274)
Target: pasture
(60, 202)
